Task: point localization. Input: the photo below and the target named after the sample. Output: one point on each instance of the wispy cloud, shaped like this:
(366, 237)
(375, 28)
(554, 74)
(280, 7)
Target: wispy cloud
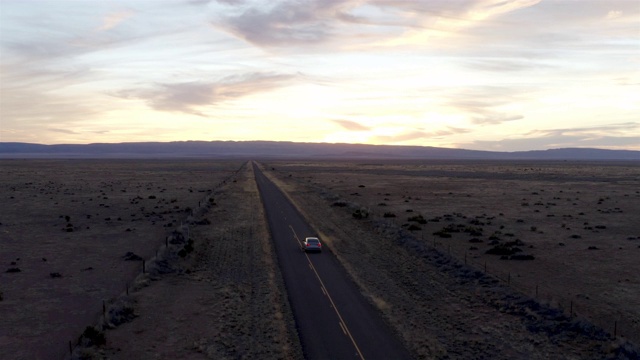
(112, 20)
(438, 72)
(612, 136)
(351, 125)
(188, 97)
(401, 137)
(482, 104)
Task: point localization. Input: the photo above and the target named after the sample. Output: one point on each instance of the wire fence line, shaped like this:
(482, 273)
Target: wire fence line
(119, 309)
(616, 323)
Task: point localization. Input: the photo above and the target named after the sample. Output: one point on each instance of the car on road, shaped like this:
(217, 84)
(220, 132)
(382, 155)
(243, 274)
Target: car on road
(312, 244)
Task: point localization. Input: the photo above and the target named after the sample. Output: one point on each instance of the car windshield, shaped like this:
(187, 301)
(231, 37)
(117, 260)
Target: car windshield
(313, 241)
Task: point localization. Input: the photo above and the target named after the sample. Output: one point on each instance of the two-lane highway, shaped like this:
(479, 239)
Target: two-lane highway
(334, 320)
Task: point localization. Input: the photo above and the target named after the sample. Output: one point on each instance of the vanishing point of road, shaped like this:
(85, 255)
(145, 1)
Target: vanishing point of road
(333, 318)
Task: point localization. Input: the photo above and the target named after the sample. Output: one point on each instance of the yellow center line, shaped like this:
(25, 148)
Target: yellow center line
(342, 323)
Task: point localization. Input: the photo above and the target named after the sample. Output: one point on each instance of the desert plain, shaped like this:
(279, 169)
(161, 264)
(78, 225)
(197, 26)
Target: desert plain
(464, 259)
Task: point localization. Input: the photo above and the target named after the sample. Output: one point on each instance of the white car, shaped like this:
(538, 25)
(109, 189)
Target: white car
(312, 244)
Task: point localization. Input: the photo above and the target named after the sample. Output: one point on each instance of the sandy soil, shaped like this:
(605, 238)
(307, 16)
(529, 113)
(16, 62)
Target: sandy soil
(442, 308)
(225, 298)
(65, 226)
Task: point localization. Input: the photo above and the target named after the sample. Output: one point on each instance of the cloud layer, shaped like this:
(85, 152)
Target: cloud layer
(482, 74)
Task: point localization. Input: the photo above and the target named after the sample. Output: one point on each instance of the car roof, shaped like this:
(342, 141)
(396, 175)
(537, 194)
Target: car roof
(312, 239)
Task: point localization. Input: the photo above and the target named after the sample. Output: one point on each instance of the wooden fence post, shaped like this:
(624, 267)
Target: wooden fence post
(571, 309)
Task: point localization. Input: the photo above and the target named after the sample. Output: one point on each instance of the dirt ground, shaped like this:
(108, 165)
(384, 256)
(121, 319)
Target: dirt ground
(65, 228)
(577, 221)
(225, 297)
(226, 300)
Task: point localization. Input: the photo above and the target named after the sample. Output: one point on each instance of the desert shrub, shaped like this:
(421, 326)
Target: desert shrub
(600, 227)
(339, 204)
(13, 270)
(177, 238)
(417, 218)
(389, 215)
(451, 228)
(442, 234)
(189, 246)
(473, 231)
(92, 337)
(360, 214)
(534, 228)
(182, 253)
(122, 311)
(575, 236)
(503, 249)
(516, 242)
(413, 227)
(593, 248)
(361, 186)
(382, 204)
(522, 257)
(55, 275)
(152, 196)
(475, 240)
(130, 256)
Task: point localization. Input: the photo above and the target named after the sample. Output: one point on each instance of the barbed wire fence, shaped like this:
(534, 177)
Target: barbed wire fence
(119, 309)
(576, 307)
(617, 323)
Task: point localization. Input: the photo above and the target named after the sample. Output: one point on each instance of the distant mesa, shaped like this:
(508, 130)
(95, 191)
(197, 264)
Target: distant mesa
(275, 149)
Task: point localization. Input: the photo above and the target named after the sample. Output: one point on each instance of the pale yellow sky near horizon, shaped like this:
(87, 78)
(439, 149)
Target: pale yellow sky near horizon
(475, 74)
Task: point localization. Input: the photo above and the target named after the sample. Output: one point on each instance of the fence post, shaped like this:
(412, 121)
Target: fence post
(70, 348)
(571, 309)
(615, 329)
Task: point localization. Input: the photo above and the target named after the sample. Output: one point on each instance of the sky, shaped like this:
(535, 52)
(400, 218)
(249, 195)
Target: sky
(501, 75)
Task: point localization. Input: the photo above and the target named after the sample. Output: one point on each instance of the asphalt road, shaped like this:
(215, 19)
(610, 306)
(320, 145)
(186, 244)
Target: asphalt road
(334, 320)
